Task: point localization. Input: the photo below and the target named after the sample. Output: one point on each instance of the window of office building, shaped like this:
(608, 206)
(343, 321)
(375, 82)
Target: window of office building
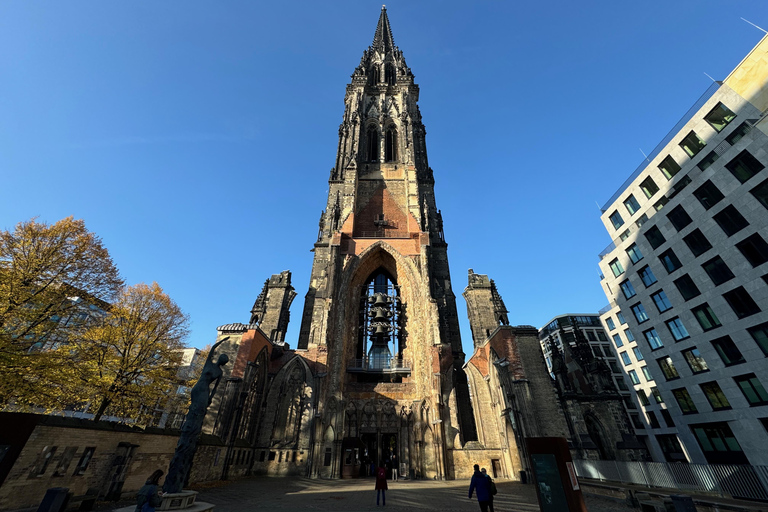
(638, 354)
(601, 336)
(696, 363)
(697, 242)
(629, 403)
(679, 217)
(661, 203)
(654, 237)
(620, 317)
(617, 341)
(685, 401)
(591, 335)
(687, 287)
(706, 317)
(646, 275)
(610, 324)
(755, 249)
(741, 302)
(621, 384)
(668, 368)
(670, 260)
(624, 235)
(727, 351)
(707, 160)
(636, 421)
(647, 373)
(634, 377)
(744, 166)
(730, 220)
(667, 418)
(669, 167)
(662, 301)
(643, 397)
(631, 204)
(670, 446)
(641, 220)
(653, 421)
(653, 338)
(616, 268)
(639, 312)
(633, 251)
(656, 395)
(628, 334)
(759, 333)
(739, 132)
(753, 390)
(708, 194)
(718, 443)
(625, 358)
(614, 367)
(715, 396)
(649, 187)
(692, 144)
(761, 193)
(719, 117)
(717, 270)
(678, 330)
(616, 220)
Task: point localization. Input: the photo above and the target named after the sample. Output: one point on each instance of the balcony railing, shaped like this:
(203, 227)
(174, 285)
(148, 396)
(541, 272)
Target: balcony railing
(379, 365)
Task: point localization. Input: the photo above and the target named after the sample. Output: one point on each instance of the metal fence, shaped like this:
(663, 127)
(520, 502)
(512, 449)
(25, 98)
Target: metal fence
(737, 481)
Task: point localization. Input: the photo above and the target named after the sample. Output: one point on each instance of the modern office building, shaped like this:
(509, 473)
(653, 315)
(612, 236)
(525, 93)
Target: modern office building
(687, 276)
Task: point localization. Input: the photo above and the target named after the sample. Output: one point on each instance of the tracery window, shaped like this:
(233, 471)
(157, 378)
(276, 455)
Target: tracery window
(391, 145)
(289, 409)
(372, 144)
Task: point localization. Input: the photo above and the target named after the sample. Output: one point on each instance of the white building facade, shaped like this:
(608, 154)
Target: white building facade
(687, 277)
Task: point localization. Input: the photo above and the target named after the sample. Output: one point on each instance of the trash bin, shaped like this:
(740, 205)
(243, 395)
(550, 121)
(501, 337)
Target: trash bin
(683, 503)
(55, 500)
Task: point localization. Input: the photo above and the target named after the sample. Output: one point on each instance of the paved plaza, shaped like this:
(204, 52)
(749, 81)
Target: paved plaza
(278, 494)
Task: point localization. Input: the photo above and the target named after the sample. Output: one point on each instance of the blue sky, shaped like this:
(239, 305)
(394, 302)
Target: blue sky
(196, 138)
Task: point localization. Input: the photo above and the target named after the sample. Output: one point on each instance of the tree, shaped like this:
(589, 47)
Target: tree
(50, 275)
(128, 360)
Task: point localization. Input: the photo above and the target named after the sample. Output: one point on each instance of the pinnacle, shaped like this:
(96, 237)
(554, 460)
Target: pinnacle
(383, 39)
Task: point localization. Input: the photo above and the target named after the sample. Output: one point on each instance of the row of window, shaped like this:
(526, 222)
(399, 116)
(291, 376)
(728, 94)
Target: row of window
(749, 384)
(692, 144)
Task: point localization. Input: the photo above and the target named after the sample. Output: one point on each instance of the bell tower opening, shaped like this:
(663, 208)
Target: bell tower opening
(372, 144)
(381, 337)
(391, 145)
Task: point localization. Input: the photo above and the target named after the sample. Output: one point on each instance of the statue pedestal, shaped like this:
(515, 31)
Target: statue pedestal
(184, 500)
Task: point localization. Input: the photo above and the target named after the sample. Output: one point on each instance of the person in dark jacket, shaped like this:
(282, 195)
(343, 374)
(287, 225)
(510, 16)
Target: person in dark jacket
(482, 486)
(492, 488)
(381, 484)
(148, 498)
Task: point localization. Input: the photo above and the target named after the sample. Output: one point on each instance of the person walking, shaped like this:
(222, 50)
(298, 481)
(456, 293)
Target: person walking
(492, 487)
(381, 484)
(394, 468)
(482, 486)
(149, 496)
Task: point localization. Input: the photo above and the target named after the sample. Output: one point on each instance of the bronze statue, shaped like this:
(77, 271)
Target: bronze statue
(201, 398)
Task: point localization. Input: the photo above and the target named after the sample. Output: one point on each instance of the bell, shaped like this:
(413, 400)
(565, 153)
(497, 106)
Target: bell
(381, 300)
(380, 315)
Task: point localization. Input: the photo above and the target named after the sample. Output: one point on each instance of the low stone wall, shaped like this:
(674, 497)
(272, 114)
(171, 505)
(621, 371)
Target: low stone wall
(464, 460)
(84, 456)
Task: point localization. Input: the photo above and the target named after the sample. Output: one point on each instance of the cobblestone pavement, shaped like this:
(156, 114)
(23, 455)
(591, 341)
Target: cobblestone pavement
(295, 494)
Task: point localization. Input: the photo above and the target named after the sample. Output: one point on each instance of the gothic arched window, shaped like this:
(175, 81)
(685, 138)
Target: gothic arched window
(372, 144)
(389, 74)
(391, 145)
(375, 76)
(290, 408)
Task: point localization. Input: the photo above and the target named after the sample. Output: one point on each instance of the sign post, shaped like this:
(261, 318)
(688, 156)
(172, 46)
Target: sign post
(554, 475)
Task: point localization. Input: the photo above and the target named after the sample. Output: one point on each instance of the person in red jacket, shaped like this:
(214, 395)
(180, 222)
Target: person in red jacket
(381, 484)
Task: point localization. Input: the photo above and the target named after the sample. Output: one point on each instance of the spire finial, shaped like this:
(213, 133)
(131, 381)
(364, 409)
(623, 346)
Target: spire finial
(383, 39)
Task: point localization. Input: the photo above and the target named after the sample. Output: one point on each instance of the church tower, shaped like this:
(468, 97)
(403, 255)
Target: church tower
(379, 325)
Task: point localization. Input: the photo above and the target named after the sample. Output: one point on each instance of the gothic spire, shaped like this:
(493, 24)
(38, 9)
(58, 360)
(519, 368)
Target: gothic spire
(383, 39)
